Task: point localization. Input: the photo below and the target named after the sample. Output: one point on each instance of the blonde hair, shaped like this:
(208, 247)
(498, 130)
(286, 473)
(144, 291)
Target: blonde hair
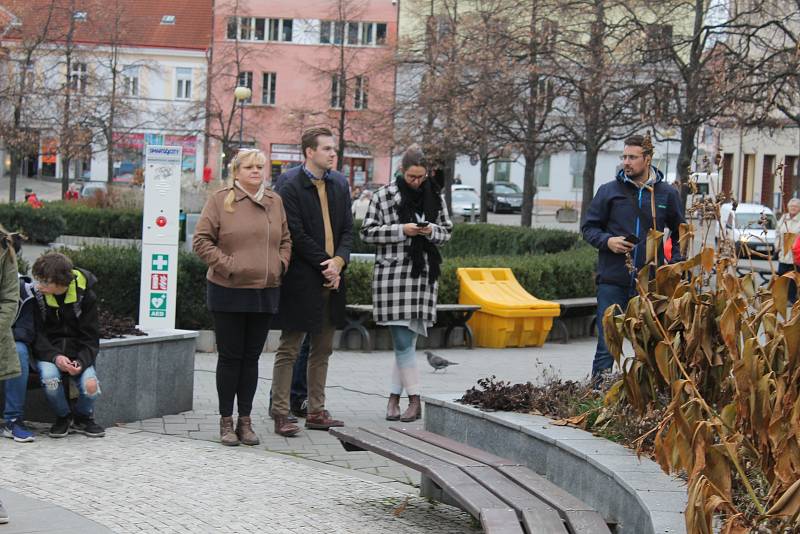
(243, 156)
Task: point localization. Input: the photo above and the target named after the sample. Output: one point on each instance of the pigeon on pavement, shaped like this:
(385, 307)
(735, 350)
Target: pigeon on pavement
(437, 362)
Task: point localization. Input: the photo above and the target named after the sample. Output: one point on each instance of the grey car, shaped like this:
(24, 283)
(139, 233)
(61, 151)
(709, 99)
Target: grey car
(466, 205)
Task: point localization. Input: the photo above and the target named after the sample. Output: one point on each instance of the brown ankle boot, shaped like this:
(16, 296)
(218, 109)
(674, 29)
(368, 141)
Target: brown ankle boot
(226, 434)
(283, 427)
(414, 410)
(244, 431)
(393, 408)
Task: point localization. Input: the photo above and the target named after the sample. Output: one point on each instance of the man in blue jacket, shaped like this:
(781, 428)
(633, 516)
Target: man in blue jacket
(617, 223)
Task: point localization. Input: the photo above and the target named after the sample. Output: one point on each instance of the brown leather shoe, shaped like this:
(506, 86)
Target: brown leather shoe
(244, 431)
(393, 408)
(414, 410)
(283, 427)
(226, 434)
(291, 418)
(321, 421)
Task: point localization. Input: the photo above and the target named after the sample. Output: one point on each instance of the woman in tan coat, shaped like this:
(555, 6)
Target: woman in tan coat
(244, 238)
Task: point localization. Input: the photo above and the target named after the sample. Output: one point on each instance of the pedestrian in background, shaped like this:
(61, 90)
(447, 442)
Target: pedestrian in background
(408, 222)
(243, 236)
(788, 228)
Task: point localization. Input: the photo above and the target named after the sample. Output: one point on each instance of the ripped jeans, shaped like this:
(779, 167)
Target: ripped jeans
(54, 389)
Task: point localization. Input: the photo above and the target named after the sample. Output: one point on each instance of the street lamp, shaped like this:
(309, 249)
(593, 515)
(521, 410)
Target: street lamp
(241, 94)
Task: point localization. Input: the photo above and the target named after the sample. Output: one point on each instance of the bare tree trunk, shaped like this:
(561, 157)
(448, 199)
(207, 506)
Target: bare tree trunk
(688, 133)
(528, 189)
(484, 180)
(12, 178)
(589, 178)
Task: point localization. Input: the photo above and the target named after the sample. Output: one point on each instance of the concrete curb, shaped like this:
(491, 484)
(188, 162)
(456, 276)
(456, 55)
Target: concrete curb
(633, 492)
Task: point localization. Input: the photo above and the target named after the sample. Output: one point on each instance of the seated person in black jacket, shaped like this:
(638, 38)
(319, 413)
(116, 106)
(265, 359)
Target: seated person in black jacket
(67, 341)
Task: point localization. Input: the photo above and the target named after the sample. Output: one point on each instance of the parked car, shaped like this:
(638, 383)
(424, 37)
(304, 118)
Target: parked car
(462, 187)
(503, 196)
(466, 205)
(744, 226)
(90, 189)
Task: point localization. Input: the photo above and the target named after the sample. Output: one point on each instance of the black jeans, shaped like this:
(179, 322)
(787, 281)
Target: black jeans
(240, 341)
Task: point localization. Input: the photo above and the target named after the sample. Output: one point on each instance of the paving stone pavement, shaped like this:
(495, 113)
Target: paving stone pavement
(356, 393)
(170, 474)
(134, 481)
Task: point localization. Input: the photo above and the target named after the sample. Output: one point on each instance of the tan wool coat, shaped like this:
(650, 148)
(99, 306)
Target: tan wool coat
(249, 248)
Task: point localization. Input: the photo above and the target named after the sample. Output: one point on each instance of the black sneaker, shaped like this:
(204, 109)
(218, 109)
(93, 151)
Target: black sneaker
(300, 410)
(87, 427)
(60, 428)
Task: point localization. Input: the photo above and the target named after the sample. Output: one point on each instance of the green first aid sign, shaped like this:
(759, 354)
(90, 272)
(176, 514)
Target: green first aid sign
(160, 262)
(158, 304)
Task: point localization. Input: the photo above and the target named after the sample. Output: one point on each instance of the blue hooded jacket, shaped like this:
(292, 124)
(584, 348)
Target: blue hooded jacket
(612, 213)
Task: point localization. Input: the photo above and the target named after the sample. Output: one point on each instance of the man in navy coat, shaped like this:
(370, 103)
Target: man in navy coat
(617, 223)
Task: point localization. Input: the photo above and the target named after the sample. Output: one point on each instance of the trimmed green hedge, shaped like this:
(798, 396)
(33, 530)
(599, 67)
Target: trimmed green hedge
(493, 240)
(85, 220)
(561, 275)
(118, 269)
(548, 276)
(40, 225)
(45, 224)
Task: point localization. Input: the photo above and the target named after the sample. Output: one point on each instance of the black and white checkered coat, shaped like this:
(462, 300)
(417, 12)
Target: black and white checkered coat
(395, 294)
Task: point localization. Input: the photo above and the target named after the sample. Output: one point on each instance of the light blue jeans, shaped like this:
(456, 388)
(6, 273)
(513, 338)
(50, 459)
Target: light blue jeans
(405, 373)
(54, 390)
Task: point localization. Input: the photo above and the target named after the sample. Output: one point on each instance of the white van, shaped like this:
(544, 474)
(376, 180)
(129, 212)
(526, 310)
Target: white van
(743, 226)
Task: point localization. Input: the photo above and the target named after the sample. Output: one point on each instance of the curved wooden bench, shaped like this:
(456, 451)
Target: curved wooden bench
(505, 496)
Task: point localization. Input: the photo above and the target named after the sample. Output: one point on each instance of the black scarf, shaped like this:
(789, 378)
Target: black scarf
(426, 202)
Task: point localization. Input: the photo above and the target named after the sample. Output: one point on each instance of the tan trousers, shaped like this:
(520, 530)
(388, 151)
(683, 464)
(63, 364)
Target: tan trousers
(288, 349)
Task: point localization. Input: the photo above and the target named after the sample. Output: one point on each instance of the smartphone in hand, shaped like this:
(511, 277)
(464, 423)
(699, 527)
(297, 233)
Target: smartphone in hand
(422, 224)
(632, 239)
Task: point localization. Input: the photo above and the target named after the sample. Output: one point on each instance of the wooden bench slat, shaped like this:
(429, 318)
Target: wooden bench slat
(424, 447)
(456, 447)
(542, 518)
(587, 522)
(500, 522)
(450, 478)
(581, 517)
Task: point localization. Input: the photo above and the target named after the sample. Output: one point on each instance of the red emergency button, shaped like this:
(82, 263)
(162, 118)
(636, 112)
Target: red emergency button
(161, 221)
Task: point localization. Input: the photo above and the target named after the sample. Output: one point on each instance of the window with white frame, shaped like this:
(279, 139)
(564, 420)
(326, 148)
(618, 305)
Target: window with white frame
(78, 77)
(29, 71)
(130, 80)
(352, 33)
(577, 161)
(361, 87)
(268, 84)
(336, 91)
(183, 76)
(245, 79)
(541, 171)
(260, 29)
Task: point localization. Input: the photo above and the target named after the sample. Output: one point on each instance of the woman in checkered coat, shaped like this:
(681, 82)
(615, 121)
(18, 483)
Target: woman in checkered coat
(408, 222)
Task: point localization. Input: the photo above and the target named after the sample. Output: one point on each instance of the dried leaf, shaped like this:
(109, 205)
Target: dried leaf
(654, 244)
(788, 504)
(779, 287)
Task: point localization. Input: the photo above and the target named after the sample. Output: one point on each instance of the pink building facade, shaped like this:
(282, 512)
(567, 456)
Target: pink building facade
(305, 61)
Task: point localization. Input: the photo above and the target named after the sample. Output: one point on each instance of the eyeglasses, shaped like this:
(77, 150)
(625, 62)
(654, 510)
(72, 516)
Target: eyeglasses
(416, 177)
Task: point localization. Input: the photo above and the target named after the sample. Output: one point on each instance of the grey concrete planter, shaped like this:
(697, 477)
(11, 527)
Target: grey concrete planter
(632, 492)
(140, 377)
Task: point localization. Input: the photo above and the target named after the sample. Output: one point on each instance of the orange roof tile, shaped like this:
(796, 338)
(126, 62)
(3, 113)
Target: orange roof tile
(137, 22)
